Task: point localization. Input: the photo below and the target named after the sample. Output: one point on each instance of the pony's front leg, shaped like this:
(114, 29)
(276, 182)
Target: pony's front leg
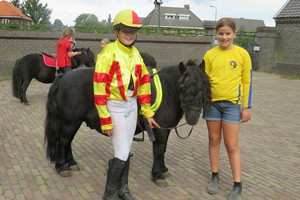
(159, 148)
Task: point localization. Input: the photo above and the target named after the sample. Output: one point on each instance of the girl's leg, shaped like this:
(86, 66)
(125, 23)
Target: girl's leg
(231, 134)
(124, 118)
(215, 137)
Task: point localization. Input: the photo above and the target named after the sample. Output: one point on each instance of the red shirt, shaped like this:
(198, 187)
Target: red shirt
(63, 46)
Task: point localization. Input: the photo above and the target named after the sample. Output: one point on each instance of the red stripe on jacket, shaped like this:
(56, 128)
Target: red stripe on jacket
(101, 77)
(144, 99)
(105, 121)
(116, 68)
(100, 99)
(145, 79)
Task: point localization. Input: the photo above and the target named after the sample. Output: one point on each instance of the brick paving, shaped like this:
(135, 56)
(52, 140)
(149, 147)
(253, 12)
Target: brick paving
(269, 144)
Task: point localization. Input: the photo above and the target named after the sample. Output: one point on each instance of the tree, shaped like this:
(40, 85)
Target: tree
(38, 12)
(16, 3)
(58, 25)
(103, 27)
(58, 22)
(86, 23)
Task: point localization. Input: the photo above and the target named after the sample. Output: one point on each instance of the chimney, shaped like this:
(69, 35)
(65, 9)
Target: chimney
(187, 6)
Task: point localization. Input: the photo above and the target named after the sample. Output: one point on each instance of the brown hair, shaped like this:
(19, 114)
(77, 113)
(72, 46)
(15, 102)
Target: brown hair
(226, 22)
(68, 32)
(105, 41)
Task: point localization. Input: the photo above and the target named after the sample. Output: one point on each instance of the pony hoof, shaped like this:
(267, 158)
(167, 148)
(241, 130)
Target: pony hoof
(65, 174)
(25, 103)
(167, 174)
(74, 167)
(161, 183)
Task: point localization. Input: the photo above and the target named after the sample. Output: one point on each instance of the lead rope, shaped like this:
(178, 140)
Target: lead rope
(175, 127)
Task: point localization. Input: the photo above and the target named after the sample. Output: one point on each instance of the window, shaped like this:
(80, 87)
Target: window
(5, 21)
(169, 16)
(183, 17)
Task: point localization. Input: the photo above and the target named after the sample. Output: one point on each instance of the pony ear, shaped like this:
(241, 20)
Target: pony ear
(202, 65)
(182, 67)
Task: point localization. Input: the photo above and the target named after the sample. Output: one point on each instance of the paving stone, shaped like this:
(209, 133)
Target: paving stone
(269, 144)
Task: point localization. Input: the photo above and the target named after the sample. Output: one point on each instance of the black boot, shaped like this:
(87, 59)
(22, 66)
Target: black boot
(123, 189)
(236, 193)
(213, 185)
(115, 168)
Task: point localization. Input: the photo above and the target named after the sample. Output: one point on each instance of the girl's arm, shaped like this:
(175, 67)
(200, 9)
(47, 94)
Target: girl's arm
(72, 54)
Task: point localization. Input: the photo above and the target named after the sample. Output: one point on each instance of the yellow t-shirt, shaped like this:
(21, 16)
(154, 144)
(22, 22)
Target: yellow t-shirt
(230, 75)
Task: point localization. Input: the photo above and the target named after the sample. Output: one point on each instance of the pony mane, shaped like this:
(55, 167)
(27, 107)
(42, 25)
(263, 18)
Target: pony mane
(148, 60)
(191, 62)
(90, 54)
(194, 84)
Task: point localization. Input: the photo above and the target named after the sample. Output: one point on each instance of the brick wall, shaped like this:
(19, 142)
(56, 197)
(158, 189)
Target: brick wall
(287, 44)
(266, 38)
(167, 50)
(279, 47)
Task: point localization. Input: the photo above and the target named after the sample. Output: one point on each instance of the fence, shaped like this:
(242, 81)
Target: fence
(167, 50)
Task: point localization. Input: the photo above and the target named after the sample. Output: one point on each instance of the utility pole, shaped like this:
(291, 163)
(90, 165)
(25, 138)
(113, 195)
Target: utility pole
(157, 3)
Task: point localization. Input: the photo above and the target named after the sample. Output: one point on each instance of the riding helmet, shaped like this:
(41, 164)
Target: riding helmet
(127, 19)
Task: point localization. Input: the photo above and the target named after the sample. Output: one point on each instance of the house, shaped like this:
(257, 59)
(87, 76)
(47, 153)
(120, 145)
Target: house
(11, 14)
(248, 25)
(242, 24)
(279, 45)
(173, 17)
(289, 12)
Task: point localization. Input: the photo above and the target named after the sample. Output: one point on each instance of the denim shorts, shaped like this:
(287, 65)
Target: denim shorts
(223, 111)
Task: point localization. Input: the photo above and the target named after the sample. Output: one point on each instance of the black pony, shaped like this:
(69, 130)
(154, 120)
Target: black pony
(70, 102)
(32, 66)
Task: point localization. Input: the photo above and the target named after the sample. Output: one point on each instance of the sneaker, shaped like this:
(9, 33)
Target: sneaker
(213, 185)
(236, 193)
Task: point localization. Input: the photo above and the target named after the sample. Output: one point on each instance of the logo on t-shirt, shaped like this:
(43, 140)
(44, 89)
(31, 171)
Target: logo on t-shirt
(233, 64)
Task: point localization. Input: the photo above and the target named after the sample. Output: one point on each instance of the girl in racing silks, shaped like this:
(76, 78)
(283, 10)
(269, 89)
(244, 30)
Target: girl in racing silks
(120, 80)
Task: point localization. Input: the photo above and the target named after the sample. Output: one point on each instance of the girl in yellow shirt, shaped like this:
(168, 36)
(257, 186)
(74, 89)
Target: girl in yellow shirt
(229, 70)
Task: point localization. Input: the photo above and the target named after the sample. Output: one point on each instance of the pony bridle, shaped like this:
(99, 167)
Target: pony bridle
(183, 105)
(86, 54)
(197, 108)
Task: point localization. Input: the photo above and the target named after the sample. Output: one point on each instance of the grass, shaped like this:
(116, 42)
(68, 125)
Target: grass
(5, 79)
(290, 77)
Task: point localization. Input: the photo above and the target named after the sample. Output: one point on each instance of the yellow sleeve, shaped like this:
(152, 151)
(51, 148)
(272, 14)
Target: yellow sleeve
(144, 93)
(101, 78)
(247, 81)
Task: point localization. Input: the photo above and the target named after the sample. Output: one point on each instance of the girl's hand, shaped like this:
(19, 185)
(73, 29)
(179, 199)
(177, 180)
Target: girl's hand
(152, 123)
(108, 132)
(246, 114)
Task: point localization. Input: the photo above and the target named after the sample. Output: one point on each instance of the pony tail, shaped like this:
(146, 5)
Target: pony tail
(17, 79)
(52, 123)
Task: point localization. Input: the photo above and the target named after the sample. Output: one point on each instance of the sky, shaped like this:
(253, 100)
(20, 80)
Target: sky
(68, 11)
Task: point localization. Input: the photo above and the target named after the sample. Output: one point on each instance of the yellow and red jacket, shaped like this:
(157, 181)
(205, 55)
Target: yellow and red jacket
(115, 65)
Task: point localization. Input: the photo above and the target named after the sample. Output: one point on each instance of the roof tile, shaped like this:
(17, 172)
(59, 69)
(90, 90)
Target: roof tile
(290, 9)
(9, 10)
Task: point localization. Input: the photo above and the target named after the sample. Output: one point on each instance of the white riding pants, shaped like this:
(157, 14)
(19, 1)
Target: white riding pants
(124, 118)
